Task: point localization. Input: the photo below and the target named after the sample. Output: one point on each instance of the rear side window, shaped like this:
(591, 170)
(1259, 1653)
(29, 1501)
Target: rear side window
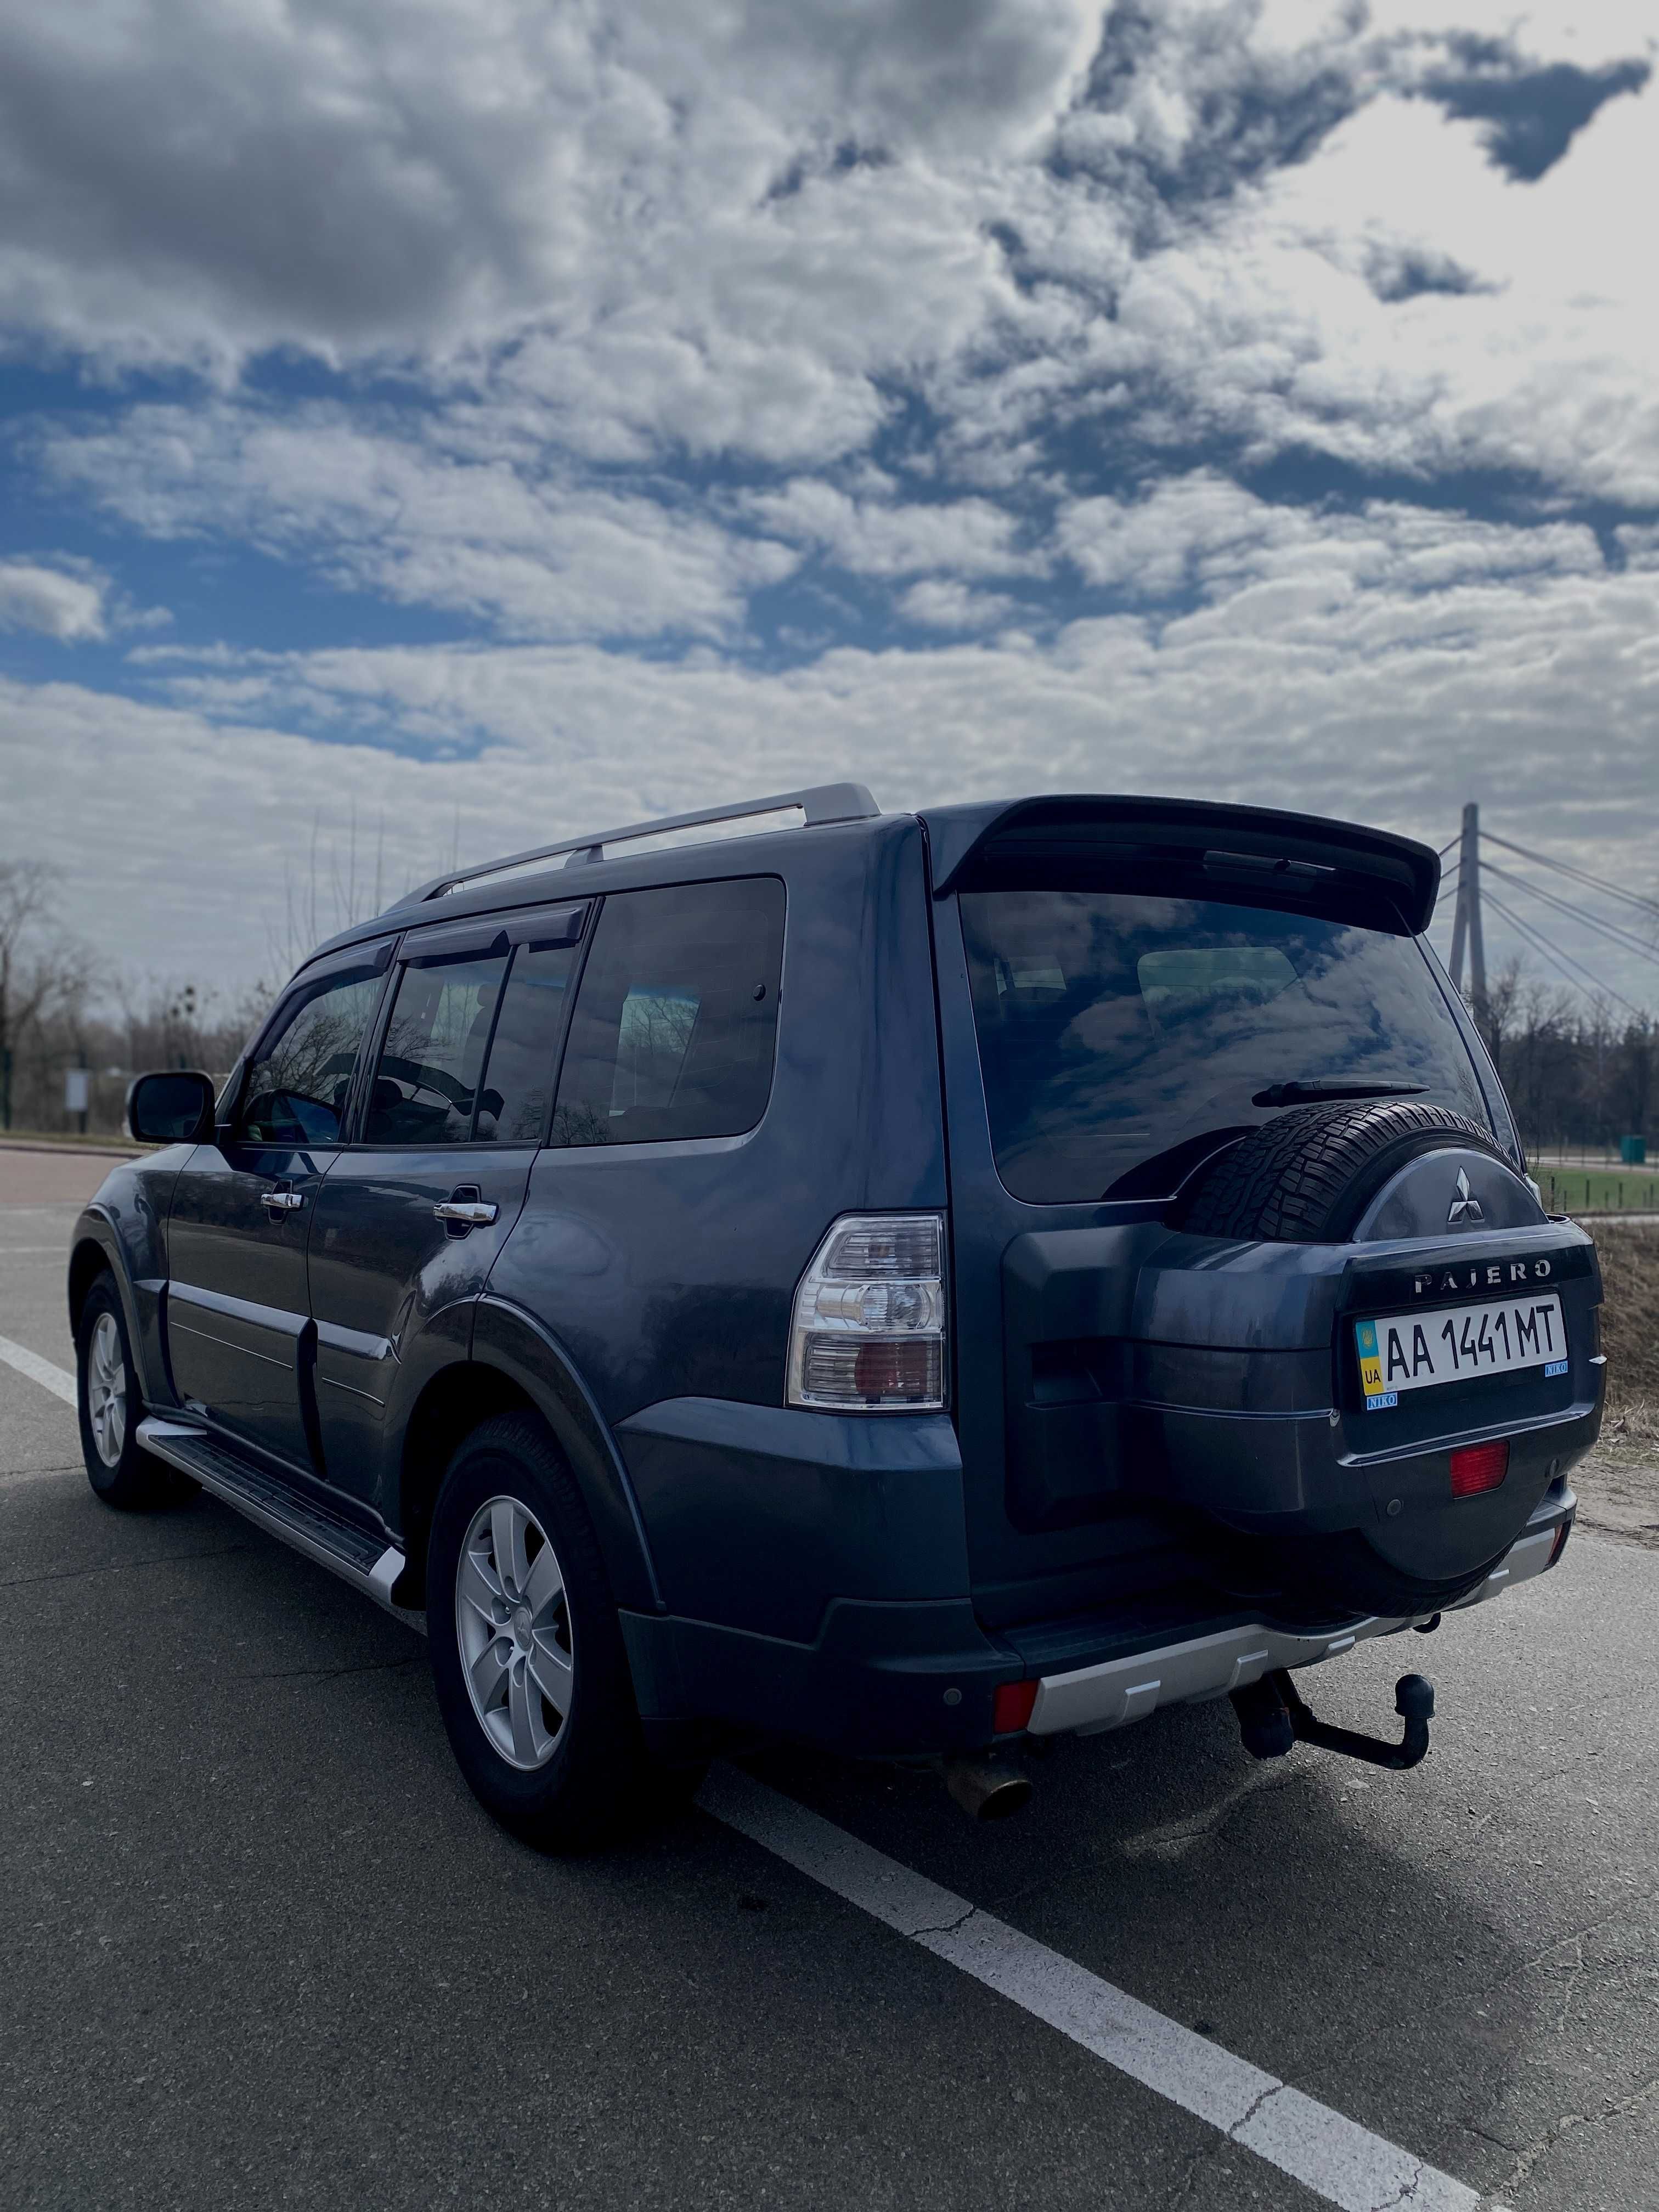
(676, 1017)
(297, 1087)
(1119, 1035)
(426, 1085)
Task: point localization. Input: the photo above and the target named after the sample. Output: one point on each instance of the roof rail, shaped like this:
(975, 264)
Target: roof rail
(822, 803)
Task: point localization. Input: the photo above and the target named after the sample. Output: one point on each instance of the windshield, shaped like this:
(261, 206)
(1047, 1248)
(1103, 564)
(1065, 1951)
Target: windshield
(1119, 1033)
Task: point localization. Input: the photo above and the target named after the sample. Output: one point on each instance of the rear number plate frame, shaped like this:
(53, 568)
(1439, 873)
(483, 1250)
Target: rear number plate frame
(1402, 1353)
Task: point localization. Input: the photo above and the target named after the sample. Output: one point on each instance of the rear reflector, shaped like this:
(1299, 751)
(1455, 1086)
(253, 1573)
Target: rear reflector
(1478, 1467)
(1011, 1707)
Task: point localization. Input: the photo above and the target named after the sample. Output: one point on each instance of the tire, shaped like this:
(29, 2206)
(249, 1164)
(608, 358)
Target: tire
(109, 1403)
(1308, 1176)
(551, 1745)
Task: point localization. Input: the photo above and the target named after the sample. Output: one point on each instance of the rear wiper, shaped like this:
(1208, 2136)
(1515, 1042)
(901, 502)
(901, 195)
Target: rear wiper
(1299, 1093)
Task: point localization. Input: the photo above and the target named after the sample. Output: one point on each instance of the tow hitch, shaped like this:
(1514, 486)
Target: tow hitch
(1271, 1718)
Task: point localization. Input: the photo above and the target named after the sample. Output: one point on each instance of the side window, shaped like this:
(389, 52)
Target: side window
(518, 1086)
(677, 1013)
(426, 1082)
(297, 1088)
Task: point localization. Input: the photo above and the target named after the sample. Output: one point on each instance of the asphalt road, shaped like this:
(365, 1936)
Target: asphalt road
(258, 1946)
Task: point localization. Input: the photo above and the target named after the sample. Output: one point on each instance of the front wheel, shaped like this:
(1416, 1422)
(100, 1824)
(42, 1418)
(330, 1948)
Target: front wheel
(110, 1407)
(527, 1656)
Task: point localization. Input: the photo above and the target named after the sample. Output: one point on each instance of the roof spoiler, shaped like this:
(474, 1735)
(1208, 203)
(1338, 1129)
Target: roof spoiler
(1237, 845)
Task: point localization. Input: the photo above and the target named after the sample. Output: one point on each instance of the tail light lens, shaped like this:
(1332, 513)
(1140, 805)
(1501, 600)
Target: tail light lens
(867, 1334)
(1478, 1467)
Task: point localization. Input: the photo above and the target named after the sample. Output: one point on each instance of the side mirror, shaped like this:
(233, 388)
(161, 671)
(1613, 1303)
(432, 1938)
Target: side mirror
(171, 1108)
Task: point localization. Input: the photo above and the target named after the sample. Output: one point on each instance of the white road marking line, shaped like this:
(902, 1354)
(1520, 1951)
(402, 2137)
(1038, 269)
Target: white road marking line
(28, 1251)
(1329, 2154)
(57, 1379)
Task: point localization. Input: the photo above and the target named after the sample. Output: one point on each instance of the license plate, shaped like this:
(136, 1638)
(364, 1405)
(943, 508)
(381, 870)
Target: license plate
(1415, 1352)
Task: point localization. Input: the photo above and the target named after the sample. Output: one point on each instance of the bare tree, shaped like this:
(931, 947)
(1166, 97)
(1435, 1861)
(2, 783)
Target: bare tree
(43, 972)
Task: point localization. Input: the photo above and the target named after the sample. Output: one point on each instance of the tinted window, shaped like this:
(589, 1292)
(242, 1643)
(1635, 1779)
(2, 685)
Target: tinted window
(427, 1083)
(517, 1086)
(297, 1088)
(1117, 1032)
(674, 1024)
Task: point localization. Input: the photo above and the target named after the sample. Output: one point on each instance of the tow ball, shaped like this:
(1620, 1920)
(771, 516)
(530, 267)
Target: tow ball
(1271, 1718)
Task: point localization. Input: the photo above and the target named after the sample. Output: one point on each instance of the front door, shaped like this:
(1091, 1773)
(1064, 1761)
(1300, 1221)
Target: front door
(409, 1224)
(238, 1326)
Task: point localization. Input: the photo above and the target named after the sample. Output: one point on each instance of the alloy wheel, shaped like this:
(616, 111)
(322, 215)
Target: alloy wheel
(107, 1389)
(512, 1625)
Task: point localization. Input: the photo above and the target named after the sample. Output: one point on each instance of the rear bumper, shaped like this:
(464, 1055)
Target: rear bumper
(1088, 1700)
(917, 1679)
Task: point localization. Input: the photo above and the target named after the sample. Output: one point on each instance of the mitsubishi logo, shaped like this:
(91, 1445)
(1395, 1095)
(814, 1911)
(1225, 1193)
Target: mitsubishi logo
(1466, 1207)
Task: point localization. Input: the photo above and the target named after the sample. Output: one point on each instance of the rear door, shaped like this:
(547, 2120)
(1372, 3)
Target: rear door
(420, 1202)
(1111, 1019)
(237, 1310)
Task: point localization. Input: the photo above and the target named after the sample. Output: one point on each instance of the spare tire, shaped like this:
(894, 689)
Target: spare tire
(1333, 1172)
(1307, 1177)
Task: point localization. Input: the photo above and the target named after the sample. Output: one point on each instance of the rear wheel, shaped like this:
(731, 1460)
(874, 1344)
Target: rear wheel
(527, 1657)
(110, 1407)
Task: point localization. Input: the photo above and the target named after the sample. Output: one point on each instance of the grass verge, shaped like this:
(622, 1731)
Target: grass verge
(1619, 1484)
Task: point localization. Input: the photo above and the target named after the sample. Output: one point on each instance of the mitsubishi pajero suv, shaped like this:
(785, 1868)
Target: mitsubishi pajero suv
(910, 1283)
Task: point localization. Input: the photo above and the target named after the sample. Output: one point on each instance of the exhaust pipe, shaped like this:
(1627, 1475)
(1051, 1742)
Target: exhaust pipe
(986, 1787)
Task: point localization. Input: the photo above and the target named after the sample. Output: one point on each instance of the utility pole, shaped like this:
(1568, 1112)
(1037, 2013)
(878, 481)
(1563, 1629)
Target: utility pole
(1466, 919)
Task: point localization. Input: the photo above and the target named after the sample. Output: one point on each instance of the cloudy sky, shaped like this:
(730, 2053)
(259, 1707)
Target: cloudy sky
(472, 423)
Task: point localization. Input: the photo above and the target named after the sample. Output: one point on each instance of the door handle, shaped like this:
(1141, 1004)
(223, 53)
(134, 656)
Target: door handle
(279, 1202)
(467, 1213)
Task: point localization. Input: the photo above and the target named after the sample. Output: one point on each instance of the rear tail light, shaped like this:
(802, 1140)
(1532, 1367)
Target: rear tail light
(867, 1333)
(1011, 1708)
(1478, 1467)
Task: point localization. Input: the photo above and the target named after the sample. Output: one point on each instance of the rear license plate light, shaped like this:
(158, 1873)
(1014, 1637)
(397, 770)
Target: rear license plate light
(1477, 1468)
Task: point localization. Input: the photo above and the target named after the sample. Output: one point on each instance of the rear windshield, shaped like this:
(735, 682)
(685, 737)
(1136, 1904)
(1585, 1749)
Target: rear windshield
(1120, 1034)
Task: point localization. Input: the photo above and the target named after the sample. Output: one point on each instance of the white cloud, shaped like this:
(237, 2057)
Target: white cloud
(941, 603)
(876, 537)
(65, 606)
(751, 230)
(404, 517)
(1204, 533)
(658, 202)
(1318, 673)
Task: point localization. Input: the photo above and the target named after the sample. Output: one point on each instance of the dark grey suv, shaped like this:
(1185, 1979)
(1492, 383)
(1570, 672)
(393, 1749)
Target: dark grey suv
(913, 1283)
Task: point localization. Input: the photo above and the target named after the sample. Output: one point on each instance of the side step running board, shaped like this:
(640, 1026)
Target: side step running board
(364, 1560)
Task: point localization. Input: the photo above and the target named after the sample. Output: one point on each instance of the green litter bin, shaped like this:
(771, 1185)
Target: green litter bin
(1633, 1152)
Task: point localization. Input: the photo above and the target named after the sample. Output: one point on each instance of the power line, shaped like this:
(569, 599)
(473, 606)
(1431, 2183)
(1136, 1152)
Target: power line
(1593, 882)
(1621, 937)
(1557, 959)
